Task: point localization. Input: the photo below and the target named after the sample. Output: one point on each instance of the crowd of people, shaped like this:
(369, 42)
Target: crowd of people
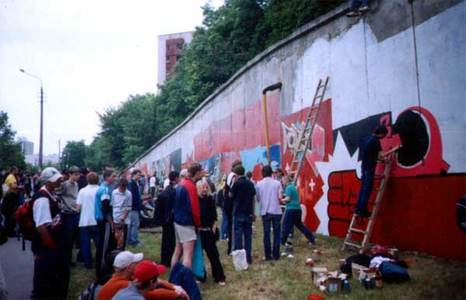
(76, 208)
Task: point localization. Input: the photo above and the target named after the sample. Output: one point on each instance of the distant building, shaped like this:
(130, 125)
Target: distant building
(170, 48)
(27, 148)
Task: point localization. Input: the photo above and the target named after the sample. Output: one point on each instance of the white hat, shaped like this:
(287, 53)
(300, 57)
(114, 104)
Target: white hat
(49, 175)
(125, 258)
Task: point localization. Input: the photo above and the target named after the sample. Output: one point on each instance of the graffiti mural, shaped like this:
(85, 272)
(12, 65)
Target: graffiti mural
(310, 183)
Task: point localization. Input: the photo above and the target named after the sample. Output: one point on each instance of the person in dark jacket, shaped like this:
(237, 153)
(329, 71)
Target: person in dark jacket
(186, 215)
(243, 192)
(133, 228)
(165, 205)
(370, 153)
(207, 229)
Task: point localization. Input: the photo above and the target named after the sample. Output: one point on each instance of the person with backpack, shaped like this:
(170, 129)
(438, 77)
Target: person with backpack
(165, 206)
(51, 268)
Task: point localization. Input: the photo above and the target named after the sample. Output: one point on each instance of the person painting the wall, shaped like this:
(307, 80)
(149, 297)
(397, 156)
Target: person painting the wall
(370, 153)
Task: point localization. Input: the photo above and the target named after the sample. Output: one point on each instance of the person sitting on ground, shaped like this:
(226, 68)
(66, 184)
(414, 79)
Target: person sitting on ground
(293, 212)
(357, 7)
(147, 285)
(124, 265)
(207, 231)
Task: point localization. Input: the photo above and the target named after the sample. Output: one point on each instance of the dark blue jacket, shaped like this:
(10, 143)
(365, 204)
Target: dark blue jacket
(182, 212)
(180, 275)
(134, 189)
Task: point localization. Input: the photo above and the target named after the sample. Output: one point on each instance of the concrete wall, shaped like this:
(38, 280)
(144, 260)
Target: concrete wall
(401, 65)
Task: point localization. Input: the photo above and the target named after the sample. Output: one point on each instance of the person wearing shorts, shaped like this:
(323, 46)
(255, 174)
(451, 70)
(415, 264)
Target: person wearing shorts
(186, 215)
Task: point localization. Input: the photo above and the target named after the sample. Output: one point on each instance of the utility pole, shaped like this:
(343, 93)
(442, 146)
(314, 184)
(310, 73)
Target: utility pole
(41, 138)
(41, 133)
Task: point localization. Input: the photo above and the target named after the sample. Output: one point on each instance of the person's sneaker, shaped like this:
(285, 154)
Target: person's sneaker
(290, 255)
(222, 283)
(352, 14)
(284, 254)
(364, 8)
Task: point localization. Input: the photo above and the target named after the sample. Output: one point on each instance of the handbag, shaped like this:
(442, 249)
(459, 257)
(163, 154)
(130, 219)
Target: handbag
(198, 266)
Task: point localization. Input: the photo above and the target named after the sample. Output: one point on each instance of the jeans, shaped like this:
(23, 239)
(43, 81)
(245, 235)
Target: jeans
(243, 227)
(268, 221)
(293, 218)
(355, 4)
(86, 234)
(51, 274)
(367, 181)
(168, 244)
(71, 233)
(133, 228)
(209, 245)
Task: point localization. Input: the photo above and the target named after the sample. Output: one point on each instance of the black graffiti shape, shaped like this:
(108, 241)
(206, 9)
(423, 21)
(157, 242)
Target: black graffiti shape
(414, 137)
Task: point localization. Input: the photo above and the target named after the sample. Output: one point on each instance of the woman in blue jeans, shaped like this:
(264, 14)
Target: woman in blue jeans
(293, 211)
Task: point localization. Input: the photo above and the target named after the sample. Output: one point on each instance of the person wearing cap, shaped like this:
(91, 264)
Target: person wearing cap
(145, 284)
(123, 264)
(187, 215)
(69, 210)
(51, 268)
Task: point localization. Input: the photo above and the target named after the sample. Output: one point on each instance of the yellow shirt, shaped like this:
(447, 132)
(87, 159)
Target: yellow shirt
(10, 180)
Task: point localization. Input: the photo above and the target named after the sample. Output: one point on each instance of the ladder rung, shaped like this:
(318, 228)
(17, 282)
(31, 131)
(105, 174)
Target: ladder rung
(353, 244)
(358, 230)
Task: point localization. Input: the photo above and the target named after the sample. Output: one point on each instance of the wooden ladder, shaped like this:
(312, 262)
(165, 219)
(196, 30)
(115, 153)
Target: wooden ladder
(367, 233)
(305, 136)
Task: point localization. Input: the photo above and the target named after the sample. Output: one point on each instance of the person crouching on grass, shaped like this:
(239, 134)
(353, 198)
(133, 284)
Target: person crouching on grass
(122, 204)
(207, 231)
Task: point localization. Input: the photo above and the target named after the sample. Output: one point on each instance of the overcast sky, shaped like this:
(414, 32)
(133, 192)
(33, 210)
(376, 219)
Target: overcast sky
(90, 54)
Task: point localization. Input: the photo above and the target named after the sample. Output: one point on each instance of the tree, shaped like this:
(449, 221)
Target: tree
(74, 154)
(10, 151)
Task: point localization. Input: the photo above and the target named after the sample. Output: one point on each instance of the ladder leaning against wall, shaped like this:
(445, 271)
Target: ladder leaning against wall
(367, 232)
(305, 136)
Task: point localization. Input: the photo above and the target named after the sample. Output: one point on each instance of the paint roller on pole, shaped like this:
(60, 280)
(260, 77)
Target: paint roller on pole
(270, 88)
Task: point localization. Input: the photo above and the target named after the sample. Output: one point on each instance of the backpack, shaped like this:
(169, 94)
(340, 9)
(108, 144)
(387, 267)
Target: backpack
(25, 220)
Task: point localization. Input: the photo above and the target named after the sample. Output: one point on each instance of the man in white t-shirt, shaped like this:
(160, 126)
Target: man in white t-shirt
(87, 222)
(51, 268)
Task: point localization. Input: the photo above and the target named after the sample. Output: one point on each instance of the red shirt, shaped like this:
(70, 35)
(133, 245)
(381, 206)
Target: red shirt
(190, 186)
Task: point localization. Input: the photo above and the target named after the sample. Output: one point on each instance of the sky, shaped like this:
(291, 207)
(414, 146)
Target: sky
(90, 54)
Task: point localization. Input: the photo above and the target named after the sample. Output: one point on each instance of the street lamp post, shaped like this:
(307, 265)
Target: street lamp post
(41, 116)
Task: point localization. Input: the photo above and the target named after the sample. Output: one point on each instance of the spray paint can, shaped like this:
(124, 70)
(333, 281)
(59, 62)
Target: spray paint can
(346, 286)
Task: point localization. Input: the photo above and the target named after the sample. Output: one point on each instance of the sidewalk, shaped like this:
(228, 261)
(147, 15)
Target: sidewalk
(17, 267)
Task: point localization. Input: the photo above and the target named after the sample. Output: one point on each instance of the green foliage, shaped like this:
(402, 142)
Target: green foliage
(228, 38)
(10, 151)
(74, 154)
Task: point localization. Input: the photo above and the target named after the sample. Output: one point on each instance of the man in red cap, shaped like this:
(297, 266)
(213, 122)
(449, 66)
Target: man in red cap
(146, 284)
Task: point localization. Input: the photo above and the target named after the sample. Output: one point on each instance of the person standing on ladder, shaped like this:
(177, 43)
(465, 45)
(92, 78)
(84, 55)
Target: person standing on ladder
(370, 152)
